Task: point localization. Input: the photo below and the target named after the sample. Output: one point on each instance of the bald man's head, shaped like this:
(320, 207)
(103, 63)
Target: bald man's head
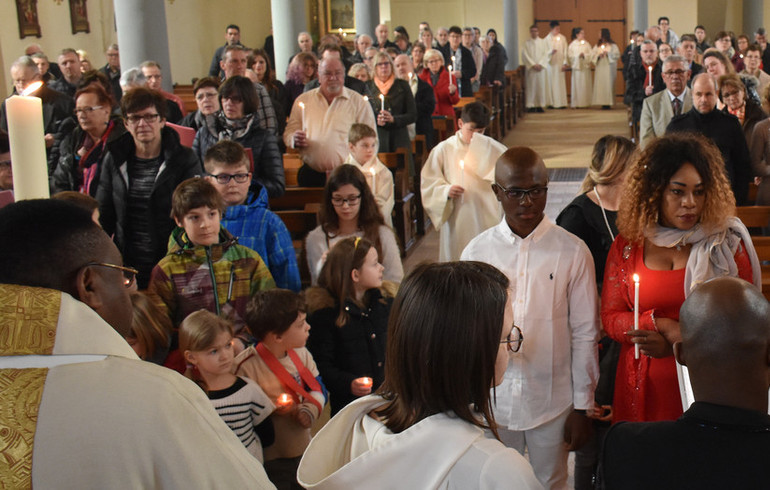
(725, 329)
(521, 181)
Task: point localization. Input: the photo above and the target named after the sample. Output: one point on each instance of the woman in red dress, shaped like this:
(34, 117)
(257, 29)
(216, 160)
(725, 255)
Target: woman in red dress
(438, 77)
(677, 229)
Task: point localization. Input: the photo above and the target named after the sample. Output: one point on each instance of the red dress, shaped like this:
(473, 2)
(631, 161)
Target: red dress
(646, 389)
(444, 101)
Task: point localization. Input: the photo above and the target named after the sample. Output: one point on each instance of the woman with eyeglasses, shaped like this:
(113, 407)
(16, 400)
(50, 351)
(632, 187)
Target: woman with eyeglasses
(393, 104)
(139, 174)
(431, 423)
(348, 209)
(677, 229)
(237, 121)
(733, 92)
(206, 93)
(437, 76)
(82, 151)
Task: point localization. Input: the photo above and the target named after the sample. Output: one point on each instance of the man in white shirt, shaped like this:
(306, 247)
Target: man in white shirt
(660, 108)
(535, 58)
(549, 384)
(319, 127)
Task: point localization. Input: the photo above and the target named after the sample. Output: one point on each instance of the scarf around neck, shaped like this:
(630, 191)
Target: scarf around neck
(229, 129)
(385, 86)
(712, 253)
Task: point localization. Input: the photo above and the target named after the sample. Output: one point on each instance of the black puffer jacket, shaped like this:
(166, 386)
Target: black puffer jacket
(179, 163)
(67, 175)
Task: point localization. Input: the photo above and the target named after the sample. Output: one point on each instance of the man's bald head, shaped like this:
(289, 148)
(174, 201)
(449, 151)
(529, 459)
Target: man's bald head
(725, 328)
(520, 158)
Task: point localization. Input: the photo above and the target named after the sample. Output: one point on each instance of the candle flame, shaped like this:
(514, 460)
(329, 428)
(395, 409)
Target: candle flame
(372, 171)
(366, 98)
(301, 104)
(636, 278)
(462, 164)
(32, 87)
(453, 59)
(382, 97)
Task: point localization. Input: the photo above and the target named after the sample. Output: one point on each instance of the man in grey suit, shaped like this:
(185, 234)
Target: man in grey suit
(660, 108)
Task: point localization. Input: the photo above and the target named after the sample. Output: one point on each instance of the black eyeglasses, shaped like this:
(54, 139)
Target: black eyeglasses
(225, 178)
(352, 200)
(129, 273)
(520, 194)
(148, 118)
(674, 72)
(514, 340)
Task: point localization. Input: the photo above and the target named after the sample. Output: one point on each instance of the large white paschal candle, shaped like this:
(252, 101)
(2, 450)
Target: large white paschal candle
(27, 140)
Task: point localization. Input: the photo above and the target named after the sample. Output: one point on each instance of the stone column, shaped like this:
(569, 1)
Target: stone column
(511, 29)
(752, 17)
(142, 35)
(367, 16)
(640, 15)
(289, 19)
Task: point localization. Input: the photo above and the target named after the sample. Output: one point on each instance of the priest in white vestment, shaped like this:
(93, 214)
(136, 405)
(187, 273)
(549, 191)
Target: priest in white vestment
(456, 183)
(535, 59)
(556, 92)
(78, 408)
(579, 54)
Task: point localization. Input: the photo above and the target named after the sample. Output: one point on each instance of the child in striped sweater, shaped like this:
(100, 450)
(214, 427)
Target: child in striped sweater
(206, 341)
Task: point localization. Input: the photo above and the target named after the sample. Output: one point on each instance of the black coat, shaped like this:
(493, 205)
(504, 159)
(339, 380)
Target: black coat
(726, 132)
(67, 175)
(400, 102)
(494, 67)
(468, 68)
(180, 163)
(117, 91)
(354, 350)
(635, 87)
(425, 100)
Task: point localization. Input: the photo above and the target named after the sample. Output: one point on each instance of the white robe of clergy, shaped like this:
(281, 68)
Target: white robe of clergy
(605, 57)
(581, 73)
(459, 220)
(80, 410)
(556, 93)
(534, 55)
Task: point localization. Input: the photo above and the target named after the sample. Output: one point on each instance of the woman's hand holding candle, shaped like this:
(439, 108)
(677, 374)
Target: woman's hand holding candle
(361, 386)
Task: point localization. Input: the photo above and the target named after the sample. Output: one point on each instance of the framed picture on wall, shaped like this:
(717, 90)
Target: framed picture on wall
(79, 16)
(340, 16)
(28, 21)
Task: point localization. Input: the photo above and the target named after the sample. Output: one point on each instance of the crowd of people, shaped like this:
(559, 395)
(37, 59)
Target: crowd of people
(158, 252)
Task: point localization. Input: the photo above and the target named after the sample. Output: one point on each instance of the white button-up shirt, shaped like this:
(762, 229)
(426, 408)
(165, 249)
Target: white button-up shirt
(555, 304)
(329, 124)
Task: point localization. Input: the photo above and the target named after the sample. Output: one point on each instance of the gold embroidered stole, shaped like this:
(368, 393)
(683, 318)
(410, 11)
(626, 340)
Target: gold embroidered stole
(28, 319)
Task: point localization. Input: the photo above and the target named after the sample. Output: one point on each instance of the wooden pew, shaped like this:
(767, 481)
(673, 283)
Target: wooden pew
(291, 165)
(296, 198)
(443, 128)
(754, 217)
(404, 222)
(185, 92)
(300, 222)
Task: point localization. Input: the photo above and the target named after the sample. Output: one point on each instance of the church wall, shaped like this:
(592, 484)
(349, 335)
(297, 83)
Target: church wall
(683, 14)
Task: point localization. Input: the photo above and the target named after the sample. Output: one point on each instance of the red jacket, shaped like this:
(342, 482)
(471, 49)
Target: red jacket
(444, 101)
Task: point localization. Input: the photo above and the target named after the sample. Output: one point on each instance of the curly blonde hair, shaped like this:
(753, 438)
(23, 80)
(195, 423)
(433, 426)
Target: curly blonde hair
(640, 206)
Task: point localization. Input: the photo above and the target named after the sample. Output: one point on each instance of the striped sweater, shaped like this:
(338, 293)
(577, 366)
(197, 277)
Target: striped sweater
(243, 407)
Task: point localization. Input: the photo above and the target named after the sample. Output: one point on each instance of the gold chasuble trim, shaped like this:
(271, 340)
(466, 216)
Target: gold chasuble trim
(28, 319)
(20, 393)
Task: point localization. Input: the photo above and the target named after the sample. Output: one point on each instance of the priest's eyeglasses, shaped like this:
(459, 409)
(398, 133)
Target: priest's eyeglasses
(129, 273)
(514, 340)
(521, 194)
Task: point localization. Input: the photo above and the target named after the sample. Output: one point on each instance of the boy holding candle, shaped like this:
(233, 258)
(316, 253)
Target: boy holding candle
(457, 198)
(362, 142)
(287, 373)
(547, 393)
